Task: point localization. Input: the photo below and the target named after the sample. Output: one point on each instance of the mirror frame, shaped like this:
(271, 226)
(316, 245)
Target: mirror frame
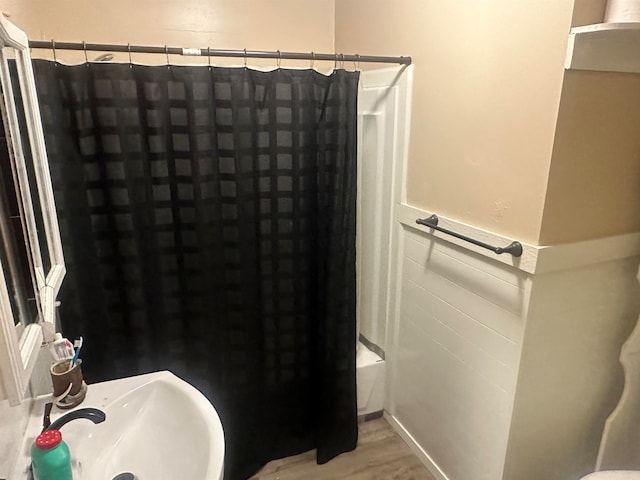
(19, 344)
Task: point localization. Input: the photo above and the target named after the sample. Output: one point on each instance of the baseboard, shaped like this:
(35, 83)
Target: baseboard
(415, 447)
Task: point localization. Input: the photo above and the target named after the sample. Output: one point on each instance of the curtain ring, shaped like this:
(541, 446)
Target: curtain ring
(209, 57)
(356, 62)
(279, 62)
(342, 61)
(53, 47)
(86, 59)
(129, 50)
(313, 60)
(245, 58)
(335, 61)
(166, 52)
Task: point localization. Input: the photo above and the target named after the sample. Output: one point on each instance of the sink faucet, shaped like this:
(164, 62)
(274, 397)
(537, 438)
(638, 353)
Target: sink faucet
(93, 414)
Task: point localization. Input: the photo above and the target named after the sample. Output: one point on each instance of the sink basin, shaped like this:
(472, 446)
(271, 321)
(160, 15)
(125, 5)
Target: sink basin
(159, 428)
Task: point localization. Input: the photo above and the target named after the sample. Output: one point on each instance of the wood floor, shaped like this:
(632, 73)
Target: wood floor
(381, 455)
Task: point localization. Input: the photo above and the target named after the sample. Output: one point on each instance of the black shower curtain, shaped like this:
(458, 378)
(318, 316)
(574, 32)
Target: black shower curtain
(208, 224)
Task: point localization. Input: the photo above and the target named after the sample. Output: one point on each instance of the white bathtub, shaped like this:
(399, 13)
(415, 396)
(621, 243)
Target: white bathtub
(370, 373)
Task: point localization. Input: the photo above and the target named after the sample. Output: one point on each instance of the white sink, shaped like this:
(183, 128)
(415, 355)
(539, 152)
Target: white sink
(157, 427)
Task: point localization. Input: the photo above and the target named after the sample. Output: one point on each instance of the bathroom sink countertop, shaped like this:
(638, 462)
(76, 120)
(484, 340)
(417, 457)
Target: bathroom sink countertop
(134, 405)
(98, 396)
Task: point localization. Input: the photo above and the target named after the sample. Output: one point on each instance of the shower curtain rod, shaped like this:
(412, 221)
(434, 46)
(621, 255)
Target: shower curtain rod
(210, 52)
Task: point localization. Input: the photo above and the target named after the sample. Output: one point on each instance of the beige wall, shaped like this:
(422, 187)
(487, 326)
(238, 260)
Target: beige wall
(594, 181)
(488, 78)
(488, 82)
(228, 24)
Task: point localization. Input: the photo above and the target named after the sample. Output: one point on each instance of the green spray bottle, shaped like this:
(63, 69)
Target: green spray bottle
(50, 457)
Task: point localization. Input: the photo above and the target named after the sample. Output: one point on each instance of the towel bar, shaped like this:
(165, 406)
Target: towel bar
(514, 248)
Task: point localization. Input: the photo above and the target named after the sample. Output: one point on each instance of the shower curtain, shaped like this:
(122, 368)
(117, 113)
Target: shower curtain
(208, 223)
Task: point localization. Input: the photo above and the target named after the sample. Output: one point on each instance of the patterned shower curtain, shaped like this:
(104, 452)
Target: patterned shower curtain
(208, 224)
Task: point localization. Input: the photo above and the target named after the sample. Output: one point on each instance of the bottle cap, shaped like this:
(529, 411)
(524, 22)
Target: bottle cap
(48, 439)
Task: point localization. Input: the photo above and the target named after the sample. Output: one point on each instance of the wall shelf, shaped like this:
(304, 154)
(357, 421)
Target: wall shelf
(609, 47)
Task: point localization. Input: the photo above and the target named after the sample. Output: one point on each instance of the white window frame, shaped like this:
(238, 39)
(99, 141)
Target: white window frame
(19, 344)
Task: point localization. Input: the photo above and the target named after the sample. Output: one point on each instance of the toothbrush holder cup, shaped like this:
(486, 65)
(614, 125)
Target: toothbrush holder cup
(69, 388)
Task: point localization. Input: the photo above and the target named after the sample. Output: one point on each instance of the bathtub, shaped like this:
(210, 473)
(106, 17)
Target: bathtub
(370, 379)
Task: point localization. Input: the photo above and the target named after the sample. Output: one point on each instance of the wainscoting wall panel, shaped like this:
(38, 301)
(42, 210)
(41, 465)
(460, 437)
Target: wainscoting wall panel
(459, 340)
(506, 368)
(571, 377)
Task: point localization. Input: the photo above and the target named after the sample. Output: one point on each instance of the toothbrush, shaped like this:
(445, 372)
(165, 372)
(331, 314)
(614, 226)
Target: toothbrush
(78, 345)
